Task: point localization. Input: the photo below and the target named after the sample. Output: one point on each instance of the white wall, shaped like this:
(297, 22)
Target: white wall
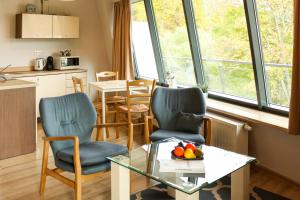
(276, 150)
(105, 9)
(91, 47)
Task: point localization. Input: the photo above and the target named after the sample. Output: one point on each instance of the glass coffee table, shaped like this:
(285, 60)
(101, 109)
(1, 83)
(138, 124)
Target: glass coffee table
(186, 177)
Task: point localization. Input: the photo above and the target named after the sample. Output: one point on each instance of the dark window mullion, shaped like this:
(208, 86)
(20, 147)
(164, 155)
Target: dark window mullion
(155, 40)
(256, 52)
(193, 39)
(136, 67)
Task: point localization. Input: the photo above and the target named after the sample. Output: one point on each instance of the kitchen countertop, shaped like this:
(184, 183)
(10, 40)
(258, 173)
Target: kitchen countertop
(42, 73)
(16, 84)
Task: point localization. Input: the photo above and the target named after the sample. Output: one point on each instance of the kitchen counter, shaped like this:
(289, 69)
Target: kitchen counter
(16, 84)
(42, 73)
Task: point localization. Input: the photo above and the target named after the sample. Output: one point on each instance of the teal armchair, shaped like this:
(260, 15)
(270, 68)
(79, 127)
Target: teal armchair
(68, 123)
(179, 113)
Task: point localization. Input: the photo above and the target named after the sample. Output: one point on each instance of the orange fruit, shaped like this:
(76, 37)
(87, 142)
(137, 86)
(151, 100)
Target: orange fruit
(179, 151)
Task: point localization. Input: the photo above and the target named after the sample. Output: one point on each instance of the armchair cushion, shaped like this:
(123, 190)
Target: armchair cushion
(189, 122)
(85, 170)
(164, 134)
(93, 153)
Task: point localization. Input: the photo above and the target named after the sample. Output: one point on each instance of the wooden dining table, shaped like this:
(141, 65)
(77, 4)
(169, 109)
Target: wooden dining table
(107, 87)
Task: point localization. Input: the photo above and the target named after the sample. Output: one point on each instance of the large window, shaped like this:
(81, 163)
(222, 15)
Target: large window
(225, 47)
(276, 26)
(142, 42)
(241, 49)
(175, 47)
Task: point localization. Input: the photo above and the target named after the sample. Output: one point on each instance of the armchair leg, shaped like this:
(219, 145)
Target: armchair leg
(44, 167)
(78, 189)
(78, 170)
(130, 136)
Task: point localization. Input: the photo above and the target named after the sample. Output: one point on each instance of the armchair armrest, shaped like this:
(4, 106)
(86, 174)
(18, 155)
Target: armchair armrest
(207, 129)
(148, 127)
(76, 157)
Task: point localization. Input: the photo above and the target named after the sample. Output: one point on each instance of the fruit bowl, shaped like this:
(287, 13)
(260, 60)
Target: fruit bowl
(183, 158)
(187, 151)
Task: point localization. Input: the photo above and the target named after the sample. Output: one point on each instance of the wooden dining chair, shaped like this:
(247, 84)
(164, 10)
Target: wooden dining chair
(111, 101)
(107, 76)
(78, 87)
(78, 84)
(139, 94)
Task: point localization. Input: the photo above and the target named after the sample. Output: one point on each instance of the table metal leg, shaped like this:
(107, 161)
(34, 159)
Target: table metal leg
(240, 184)
(120, 182)
(183, 196)
(103, 114)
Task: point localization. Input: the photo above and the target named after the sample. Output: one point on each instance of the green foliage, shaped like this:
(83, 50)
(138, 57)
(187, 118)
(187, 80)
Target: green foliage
(203, 87)
(223, 38)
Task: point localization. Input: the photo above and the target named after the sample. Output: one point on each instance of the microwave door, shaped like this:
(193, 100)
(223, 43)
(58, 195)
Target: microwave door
(73, 61)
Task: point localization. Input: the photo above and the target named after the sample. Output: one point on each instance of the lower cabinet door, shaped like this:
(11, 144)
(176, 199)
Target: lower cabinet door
(47, 86)
(50, 86)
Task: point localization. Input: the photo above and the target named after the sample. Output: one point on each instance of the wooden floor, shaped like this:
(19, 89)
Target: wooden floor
(19, 178)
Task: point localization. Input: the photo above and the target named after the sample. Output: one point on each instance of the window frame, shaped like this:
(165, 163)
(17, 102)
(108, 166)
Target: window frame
(254, 36)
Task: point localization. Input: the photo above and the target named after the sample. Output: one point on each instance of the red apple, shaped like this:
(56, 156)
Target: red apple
(190, 146)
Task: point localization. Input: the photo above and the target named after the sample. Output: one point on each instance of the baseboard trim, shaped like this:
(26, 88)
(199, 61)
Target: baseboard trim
(278, 174)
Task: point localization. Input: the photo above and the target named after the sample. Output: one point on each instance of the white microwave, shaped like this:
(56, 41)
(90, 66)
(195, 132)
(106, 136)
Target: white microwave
(65, 63)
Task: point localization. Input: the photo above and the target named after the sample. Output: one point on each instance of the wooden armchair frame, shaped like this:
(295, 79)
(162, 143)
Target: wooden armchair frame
(149, 126)
(76, 184)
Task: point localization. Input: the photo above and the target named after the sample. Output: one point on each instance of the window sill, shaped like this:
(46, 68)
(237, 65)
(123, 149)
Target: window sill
(247, 114)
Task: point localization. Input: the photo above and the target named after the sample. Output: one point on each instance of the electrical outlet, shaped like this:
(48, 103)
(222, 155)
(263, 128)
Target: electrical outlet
(37, 54)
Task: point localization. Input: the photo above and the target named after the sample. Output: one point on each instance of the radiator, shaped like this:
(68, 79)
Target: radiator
(229, 134)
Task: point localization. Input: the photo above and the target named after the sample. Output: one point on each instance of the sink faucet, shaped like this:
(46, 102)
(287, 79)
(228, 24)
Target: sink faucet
(2, 76)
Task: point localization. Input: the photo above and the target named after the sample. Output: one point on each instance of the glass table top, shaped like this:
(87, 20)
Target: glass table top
(155, 161)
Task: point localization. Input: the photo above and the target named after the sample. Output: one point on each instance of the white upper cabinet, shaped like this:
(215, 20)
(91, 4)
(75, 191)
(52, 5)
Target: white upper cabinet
(46, 26)
(34, 26)
(65, 27)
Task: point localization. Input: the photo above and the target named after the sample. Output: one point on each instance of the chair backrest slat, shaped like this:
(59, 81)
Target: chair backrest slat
(139, 95)
(135, 102)
(106, 76)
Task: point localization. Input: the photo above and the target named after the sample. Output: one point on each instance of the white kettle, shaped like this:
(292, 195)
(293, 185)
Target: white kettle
(39, 64)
